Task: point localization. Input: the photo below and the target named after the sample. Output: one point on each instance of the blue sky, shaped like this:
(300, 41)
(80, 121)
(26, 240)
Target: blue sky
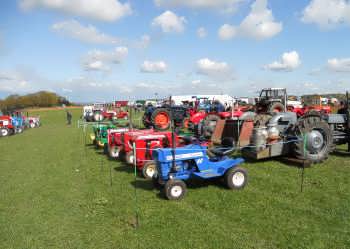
(96, 50)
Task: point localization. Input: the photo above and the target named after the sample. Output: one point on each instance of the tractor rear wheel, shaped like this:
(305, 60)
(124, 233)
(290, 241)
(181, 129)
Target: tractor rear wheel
(149, 170)
(276, 107)
(129, 157)
(236, 178)
(175, 189)
(209, 125)
(315, 139)
(161, 119)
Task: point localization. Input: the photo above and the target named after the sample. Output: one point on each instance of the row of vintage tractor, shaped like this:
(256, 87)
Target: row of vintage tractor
(100, 113)
(170, 158)
(16, 122)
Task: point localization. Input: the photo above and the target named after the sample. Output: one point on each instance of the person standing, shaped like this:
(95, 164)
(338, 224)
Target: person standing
(69, 118)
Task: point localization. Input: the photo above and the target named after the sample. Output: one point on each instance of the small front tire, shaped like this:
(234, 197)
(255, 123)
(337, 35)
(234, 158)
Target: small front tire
(129, 157)
(175, 189)
(236, 178)
(149, 170)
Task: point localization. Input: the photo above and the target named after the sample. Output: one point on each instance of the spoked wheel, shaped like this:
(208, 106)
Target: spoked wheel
(161, 119)
(315, 139)
(4, 132)
(129, 157)
(175, 189)
(114, 152)
(149, 170)
(236, 178)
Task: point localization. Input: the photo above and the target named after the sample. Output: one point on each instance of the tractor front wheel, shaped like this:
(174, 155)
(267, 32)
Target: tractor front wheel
(129, 157)
(4, 132)
(114, 152)
(149, 170)
(236, 178)
(175, 189)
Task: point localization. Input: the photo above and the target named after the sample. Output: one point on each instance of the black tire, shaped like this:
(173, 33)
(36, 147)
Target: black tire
(149, 169)
(155, 182)
(129, 157)
(157, 112)
(209, 125)
(236, 178)
(145, 121)
(175, 189)
(273, 107)
(105, 148)
(318, 137)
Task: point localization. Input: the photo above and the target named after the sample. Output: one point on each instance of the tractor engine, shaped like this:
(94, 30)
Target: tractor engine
(270, 135)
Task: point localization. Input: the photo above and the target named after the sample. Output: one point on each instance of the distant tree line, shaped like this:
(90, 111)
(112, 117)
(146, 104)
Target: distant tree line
(39, 99)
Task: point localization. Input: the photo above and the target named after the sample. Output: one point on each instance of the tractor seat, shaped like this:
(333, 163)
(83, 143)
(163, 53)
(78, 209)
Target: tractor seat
(226, 148)
(222, 151)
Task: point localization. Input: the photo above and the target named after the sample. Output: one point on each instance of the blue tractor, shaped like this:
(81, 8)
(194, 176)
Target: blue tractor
(196, 161)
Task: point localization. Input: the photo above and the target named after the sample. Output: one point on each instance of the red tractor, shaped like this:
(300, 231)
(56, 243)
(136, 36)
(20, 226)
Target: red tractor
(118, 137)
(311, 103)
(6, 126)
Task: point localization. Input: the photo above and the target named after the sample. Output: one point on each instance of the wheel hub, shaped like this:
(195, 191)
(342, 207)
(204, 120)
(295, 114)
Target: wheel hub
(238, 178)
(315, 141)
(176, 191)
(150, 171)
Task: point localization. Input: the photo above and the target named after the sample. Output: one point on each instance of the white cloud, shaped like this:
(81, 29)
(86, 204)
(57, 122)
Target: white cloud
(260, 24)
(339, 65)
(223, 5)
(202, 32)
(227, 32)
(97, 60)
(89, 34)
(214, 69)
(103, 10)
(327, 14)
(196, 82)
(289, 62)
(153, 67)
(169, 22)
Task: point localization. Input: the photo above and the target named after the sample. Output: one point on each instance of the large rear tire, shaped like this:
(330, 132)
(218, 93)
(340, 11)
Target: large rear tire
(236, 178)
(315, 139)
(161, 119)
(209, 125)
(276, 107)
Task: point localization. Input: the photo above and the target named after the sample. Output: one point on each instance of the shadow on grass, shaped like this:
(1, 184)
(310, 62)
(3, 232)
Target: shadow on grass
(341, 153)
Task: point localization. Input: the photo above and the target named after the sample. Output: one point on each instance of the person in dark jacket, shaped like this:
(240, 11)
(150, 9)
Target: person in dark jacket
(342, 108)
(69, 118)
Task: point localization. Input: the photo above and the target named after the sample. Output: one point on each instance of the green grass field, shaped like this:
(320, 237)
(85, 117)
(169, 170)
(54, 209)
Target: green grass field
(56, 192)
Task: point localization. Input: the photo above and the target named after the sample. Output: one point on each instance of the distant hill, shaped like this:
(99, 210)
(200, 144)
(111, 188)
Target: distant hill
(39, 99)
